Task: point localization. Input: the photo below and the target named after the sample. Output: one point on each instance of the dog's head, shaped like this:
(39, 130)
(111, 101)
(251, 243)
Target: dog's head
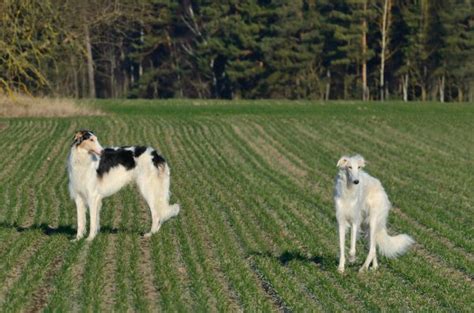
(86, 140)
(352, 166)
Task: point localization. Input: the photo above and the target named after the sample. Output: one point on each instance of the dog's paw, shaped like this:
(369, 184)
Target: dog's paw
(89, 239)
(78, 238)
(176, 209)
(340, 270)
(352, 258)
(363, 269)
(147, 235)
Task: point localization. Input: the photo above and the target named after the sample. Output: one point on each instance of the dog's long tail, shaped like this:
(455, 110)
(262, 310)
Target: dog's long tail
(172, 211)
(392, 246)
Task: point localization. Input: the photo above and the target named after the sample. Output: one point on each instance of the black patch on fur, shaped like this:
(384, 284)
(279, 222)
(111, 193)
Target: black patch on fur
(157, 159)
(139, 151)
(115, 157)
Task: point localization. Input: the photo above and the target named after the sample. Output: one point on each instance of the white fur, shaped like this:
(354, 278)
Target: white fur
(88, 190)
(360, 199)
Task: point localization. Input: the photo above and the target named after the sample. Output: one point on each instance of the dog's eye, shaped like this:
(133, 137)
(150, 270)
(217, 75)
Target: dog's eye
(350, 167)
(359, 167)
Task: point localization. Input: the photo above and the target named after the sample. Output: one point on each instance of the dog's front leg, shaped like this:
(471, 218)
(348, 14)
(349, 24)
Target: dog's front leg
(342, 238)
(372, 252)
(94, 211)
(81, 217)
(352, 251)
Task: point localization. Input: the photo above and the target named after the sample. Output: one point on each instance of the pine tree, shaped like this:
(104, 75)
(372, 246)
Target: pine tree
(348, 21)
(292, 47)
(457, 51)
(228, 52)
(154, 67)
(421, 52)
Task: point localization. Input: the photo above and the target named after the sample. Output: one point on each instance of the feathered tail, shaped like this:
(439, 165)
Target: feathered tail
(173, 210)
(392, 247)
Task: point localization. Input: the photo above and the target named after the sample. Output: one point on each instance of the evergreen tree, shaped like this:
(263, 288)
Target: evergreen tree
(292, 47)
(457, 51)
(155, 69)
(229, 52)
(348, 20)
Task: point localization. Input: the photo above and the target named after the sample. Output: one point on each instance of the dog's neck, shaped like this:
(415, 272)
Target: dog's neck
(81, 157)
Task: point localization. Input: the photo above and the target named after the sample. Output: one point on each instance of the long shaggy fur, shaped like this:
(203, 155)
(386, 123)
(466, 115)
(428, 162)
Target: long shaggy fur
(96, 173)
(360, 199)
(392, 246)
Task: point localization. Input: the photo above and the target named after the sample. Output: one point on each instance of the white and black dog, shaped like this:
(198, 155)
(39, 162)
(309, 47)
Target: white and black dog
(96, 173)
(360, 199)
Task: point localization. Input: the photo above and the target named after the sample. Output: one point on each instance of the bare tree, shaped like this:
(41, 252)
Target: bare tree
(365, 89)
(385, 23)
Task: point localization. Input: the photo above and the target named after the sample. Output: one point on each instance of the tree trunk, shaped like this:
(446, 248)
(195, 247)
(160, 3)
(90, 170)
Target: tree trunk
(441, 89)
(112, 76)
(90, 62)
(84, 90)
(385, 29)
(75, 80)
(460, 94)
(365, 93)
(423, 92)
(328, 85)
(140, 65)
(405, 87)
(132, 75)
(471, 92)
(423, 84)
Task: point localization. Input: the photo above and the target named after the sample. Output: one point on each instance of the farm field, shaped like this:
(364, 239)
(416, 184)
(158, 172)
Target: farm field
(257, 228)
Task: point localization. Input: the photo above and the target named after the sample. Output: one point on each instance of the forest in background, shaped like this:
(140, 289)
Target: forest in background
(300, 49)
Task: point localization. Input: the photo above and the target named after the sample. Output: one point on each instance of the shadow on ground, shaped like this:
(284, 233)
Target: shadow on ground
(286, 257)
(66, 230)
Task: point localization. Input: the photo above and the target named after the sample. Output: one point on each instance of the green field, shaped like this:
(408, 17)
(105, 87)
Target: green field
(257, 228)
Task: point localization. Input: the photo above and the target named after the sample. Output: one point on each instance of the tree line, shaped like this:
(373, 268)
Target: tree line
(299, 49)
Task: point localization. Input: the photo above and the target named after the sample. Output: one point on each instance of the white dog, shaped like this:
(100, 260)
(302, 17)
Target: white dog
(360, 198)
(96, 173)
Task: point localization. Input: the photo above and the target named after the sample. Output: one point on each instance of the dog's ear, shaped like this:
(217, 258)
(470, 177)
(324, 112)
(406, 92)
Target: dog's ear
(342, 161)
(360, 160)
(77, 137)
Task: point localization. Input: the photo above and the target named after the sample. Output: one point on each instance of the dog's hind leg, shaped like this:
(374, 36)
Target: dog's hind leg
(372, 252)
(155, 220)
(156, 191)
(150, 194)
(81, 217)
(375, 264)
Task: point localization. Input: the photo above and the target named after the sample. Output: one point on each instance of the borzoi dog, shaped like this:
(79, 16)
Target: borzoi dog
(96, 173)
(360, 198)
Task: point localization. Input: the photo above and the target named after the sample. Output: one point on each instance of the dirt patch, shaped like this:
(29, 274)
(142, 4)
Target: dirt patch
(109, 267)
(26, 106)
(14, 273)
(40, 295)
(146, 269)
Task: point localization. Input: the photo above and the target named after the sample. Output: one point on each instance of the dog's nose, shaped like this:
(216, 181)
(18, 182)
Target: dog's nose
(356, 181)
